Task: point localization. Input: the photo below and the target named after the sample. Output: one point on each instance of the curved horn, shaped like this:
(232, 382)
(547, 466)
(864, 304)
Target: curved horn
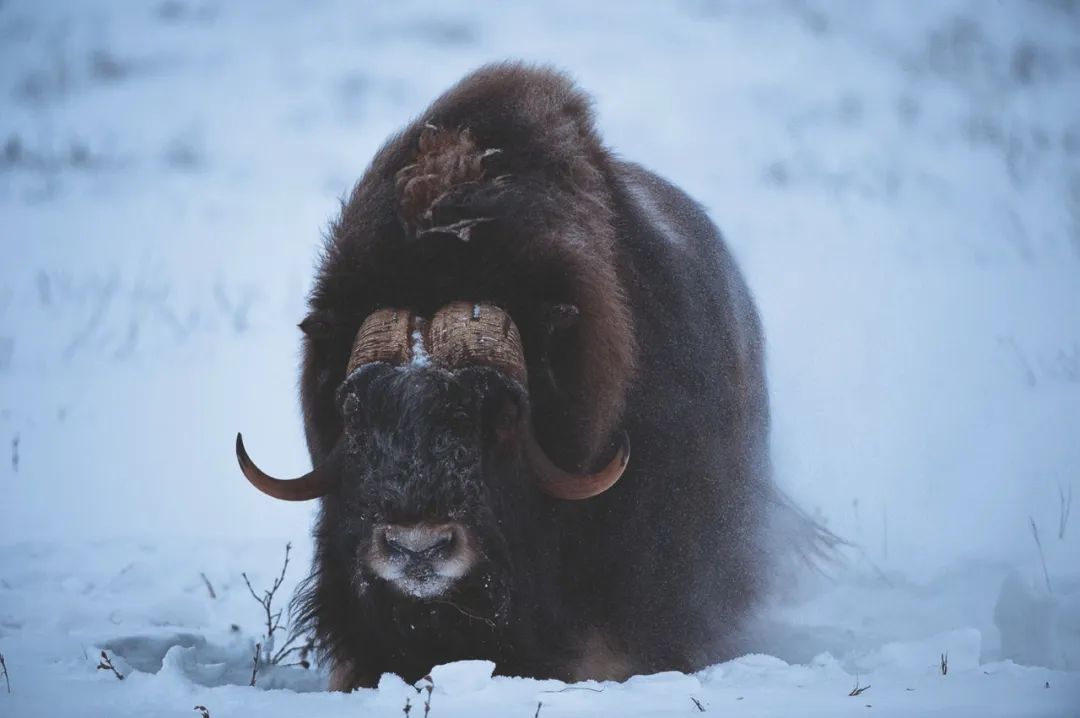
(383, 337)
(564, 485)
(464, 333)
(311, 485)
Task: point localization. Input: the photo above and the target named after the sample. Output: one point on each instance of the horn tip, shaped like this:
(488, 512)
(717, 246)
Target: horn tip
(241, 452)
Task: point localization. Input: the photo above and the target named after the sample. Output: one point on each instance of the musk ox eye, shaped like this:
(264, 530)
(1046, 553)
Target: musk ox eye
(461, 420)
(506, 420)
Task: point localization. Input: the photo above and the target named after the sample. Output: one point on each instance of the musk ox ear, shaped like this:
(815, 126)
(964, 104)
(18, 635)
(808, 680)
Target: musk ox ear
(320, 324)
(560, 316)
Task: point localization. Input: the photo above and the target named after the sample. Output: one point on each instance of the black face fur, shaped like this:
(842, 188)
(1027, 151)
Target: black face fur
(426, 445)
(420, 441)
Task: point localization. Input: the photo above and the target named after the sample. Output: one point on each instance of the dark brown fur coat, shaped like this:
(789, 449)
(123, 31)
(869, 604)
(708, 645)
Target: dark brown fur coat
(502, 191)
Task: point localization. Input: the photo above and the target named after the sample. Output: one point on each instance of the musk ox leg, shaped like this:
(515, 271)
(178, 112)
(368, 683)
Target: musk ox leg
(344, 678)
(600, 661)
(341, 677)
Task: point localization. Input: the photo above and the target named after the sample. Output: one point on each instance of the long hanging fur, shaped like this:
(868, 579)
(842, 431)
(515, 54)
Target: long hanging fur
(502, 191)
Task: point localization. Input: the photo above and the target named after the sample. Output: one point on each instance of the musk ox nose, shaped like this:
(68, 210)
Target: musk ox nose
(422, 560)
(419, 540)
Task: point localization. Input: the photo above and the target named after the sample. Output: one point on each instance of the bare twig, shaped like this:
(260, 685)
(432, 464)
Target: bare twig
(203, 710)
(106, 665)
(407, 708)
(272, 617)
(1065, 509)
(3, 669)
(1038, 543)
(255, 664)
(698, 704)
(539, 705)
(288, 649)
(209, 586)
(945, 663)
(858, 690)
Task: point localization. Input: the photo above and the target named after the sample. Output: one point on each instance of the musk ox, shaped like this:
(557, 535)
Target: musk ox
(534, 397)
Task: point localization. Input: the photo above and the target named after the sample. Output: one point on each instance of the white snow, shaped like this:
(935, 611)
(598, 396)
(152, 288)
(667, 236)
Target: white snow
(900, 184)
(420, 356)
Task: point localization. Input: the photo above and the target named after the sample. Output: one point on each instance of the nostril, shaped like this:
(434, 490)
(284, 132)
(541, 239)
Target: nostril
(442, 543)
(394, 546)
(425, 540)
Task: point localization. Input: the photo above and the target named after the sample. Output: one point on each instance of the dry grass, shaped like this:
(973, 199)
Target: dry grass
(1064, 509)
(1042, 557)
(858, 690)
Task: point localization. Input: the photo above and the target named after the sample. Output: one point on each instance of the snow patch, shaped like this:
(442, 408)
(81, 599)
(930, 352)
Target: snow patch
(1039, 628)
(420, 356)
(462, 676)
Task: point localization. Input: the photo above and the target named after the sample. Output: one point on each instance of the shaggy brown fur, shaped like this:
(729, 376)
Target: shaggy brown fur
(502, 192)
(445, 160)
(532, 168)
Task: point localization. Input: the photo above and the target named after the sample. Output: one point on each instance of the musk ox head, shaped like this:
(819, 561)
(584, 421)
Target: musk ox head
(437, 453)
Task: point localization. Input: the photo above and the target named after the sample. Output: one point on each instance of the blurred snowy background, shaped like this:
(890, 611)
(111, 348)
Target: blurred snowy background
(900, 181)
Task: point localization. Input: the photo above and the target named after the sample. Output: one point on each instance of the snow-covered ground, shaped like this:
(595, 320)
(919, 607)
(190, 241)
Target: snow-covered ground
(901, 183)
